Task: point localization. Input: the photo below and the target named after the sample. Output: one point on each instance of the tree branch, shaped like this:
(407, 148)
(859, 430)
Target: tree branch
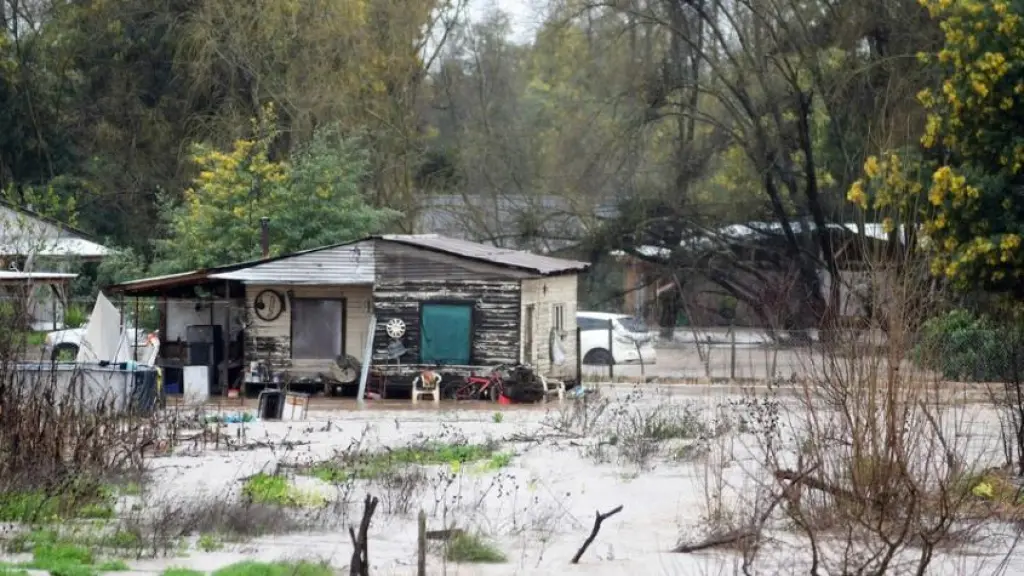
(598, 519)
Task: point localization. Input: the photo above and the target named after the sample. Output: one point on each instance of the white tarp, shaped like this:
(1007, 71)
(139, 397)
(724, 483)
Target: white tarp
(102, 335)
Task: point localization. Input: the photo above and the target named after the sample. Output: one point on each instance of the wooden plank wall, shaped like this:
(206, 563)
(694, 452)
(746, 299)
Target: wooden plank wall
(495, 316)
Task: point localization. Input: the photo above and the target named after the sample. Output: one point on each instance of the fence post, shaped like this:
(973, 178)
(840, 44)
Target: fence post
(579, 357)
(421, 546)
(611, 355)
(732, 354)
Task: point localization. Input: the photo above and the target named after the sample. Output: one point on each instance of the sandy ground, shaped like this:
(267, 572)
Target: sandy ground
(538, 510)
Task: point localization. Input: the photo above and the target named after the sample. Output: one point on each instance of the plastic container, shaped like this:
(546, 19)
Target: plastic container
(271, 405)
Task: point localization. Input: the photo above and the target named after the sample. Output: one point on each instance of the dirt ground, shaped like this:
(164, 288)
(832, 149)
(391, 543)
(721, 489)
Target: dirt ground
(743, 362)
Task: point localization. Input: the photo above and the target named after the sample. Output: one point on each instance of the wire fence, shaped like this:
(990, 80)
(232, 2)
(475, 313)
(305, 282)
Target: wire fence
(752, 355)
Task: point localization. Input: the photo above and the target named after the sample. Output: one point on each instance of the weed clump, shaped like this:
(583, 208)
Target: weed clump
(472, 549)
(376, 465)
(275, 569)
(181, 572)
(209, 543)
(274, 489)
(64, 559)
(79, 499)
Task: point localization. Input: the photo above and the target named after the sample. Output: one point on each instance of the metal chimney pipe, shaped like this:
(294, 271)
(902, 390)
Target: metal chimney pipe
(265, 236)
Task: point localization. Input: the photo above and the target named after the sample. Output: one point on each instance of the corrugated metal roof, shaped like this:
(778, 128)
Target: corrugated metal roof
(341, 265)
(143, 286)
(347, 264)
(10, 275)
(57, 247)
(543, 265)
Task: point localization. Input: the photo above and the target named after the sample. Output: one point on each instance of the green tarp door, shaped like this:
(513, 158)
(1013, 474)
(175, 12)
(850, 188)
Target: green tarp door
(445, 333)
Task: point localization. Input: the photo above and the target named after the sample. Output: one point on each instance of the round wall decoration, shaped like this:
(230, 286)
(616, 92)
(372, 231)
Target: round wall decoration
(268, 305)
(395, 328)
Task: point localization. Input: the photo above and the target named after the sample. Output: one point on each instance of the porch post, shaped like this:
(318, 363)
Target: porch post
(134, 341)
(227, 337)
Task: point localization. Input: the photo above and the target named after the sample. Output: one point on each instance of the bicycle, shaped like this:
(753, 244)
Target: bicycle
(474, 387)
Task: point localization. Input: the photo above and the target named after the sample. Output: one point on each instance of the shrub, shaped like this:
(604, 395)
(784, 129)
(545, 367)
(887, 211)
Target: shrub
(75, 317)
(967, 347)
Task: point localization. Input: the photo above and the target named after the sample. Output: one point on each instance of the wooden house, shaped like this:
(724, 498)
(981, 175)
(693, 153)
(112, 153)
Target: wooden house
(436, 302)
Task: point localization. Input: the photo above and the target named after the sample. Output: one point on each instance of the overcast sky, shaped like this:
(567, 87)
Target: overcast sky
(524, 15)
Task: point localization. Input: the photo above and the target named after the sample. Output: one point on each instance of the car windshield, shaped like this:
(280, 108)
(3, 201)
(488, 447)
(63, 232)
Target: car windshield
(633, 325)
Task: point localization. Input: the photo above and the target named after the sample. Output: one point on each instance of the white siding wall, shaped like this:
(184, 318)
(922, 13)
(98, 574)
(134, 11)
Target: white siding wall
(545, 294)
(358, 307)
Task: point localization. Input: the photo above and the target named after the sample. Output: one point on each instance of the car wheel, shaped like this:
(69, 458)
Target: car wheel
(598, 357)
(64, 352)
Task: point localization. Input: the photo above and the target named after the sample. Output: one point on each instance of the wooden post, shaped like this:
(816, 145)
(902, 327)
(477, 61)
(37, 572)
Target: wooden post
(732, 354)
(579, 356)
(133, 339)
(421, 546)
(611, 355)
(364, 374)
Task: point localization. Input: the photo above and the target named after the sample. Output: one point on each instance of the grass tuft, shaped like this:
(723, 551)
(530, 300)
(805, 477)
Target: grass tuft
(209, 543)
(85, 500)
(273, 489)
(182, 572)
(375, 465)
(275, 569)
(472, 549)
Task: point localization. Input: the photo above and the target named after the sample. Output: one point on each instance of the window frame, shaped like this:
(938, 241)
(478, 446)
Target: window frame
(291, 321)
(558, 317)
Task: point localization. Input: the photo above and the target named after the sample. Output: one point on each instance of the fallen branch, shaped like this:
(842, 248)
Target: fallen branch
(803, 479)
(360, 565)
(598, 519)
(752, 531)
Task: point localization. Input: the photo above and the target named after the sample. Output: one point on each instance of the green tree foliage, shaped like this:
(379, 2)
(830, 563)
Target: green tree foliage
(314, 200)
(103, 100)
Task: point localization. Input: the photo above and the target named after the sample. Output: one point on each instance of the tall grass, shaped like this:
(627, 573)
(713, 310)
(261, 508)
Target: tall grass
(50, 438)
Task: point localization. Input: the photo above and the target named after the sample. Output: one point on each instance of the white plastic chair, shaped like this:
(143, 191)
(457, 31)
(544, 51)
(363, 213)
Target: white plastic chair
(418, 388)
(552, 387)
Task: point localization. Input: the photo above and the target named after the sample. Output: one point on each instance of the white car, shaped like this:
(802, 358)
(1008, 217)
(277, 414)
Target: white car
(63, 344)
(631, 341)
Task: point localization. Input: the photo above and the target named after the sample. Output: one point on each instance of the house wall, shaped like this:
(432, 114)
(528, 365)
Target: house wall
(408, 276)
(271, 341)
(495, 316)
(545, 294)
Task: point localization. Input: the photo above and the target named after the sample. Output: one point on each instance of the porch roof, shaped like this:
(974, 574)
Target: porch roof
(179, 284)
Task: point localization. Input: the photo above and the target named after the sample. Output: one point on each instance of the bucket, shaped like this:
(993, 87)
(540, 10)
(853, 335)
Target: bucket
(271, 405)
(295, 406)
(504, 400)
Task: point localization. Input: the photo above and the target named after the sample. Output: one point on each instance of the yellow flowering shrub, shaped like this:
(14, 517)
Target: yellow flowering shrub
(970, 216)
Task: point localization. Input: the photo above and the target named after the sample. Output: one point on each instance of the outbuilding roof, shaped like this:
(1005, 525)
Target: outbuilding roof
(528, 261)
